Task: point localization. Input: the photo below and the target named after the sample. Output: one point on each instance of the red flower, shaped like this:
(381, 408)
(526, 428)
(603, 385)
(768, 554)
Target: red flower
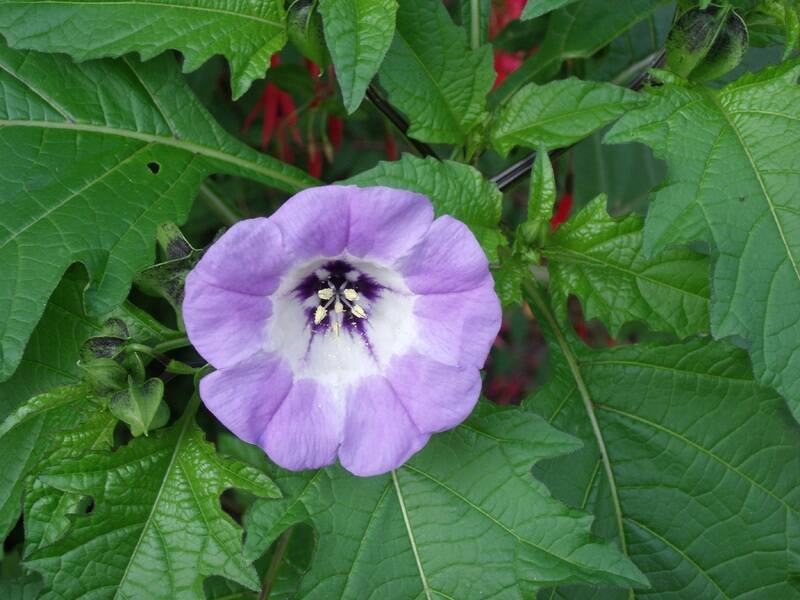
(562, 211)
(503, 12)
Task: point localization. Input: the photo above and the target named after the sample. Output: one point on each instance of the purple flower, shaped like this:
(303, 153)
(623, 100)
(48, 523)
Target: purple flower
(350, 323)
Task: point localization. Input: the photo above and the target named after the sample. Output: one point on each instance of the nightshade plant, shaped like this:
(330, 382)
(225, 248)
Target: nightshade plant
(237, 374)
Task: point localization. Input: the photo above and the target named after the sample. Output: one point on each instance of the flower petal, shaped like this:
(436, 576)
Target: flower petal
(306, 430)
(459, 328)
(248, 258)
(437, 396)
(379, 435)
(315, 222)
(245, 397)
(447, 259)
(386, 223)
(374, 222)
(225, 327)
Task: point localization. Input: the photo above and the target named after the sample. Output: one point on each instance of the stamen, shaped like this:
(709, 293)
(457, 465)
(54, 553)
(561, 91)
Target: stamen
(336, 328)
(319, 314)
(351, 294)
(338, 307)
(325, 294)
(358, 311)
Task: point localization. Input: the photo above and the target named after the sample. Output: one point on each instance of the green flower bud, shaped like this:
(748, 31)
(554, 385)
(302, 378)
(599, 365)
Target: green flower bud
(706, 43)
(305, 31)
(141, 406)
(166, 279)
(104, 375)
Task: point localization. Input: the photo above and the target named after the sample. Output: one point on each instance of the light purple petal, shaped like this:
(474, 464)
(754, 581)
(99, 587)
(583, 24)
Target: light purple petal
(248, 258)
(225, 327)
(460, 328)
(373, 222)
(245, 397)
(436, 395)
(386, 223)
(306, 430)
(315, 222)
(447, 259)
(379, 435)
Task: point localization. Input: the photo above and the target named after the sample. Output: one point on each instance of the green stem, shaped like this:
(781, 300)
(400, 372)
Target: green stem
(275, 563)
(174, 344)
(217, 205)
(534, 295)
(474, 24)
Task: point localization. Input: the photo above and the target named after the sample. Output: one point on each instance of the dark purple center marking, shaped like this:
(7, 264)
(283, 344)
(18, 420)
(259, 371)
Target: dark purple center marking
(328, 285)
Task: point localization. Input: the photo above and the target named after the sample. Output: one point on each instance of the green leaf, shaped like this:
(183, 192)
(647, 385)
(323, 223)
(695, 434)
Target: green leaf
(96, 156)
(542, 196)
(50, 361)
(454, 189)
(20, 588)
(247, 34)
(141, 406)
(53, 351)
(577, 30)
(602, 168)
(462, 519)
(157, 528)
(49, 512)
(358, 34)
(705, 465)
(508, 277)
(26, 437)
(732, 181)
(702, 463)
(559, 113)
(432, 75)
(599, 259)
(537, 8)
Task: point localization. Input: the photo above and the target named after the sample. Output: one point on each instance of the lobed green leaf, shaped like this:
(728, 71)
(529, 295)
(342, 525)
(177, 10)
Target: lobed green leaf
(157, 528)
(462, 519)
(705, 465)
(99, 154)
(246, 33)
(732, 178)
(600, 260)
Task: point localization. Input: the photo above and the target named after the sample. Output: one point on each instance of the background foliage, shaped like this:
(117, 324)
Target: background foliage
(629, 169)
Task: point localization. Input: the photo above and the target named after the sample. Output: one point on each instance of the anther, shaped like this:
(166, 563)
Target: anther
(358, 311)
(351, 294)
(319, 314)
(325, 294)
(338, 306)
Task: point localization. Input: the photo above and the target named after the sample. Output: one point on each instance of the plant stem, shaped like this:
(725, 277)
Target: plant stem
(217, 205)
(173, 344)
(474, 24)
(534, 295)
(396, 119)
(275, 563)
(522, 168)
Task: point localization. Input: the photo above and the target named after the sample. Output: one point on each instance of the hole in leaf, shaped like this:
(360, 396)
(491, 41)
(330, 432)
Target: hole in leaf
(154, 167)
